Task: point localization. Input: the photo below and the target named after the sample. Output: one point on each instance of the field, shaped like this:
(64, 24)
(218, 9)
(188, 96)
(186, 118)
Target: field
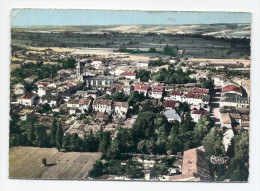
(193, 43)
(26, 163)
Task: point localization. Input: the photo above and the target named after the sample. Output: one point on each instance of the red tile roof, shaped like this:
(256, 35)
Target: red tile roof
(195, 96)
(176, 92)
(201, 112)
(99, 59)
(123, 104)
(200, 90)
(84, 101)
(28, 96)
(69, 85)
(245, 117)
(41, 83)
(100, 115)
(232, 88)
(157, 89)
(172, 104)
(128, 74)
(244, 124)
(103, 102)
(141, 87)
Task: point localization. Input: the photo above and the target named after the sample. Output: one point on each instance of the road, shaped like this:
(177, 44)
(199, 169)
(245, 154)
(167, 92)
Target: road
(215, 114)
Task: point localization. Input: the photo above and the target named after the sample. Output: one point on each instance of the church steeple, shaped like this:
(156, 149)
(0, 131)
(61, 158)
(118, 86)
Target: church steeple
(79, 71)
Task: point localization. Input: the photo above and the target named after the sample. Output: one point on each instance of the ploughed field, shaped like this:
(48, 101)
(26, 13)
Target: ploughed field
(26, 163)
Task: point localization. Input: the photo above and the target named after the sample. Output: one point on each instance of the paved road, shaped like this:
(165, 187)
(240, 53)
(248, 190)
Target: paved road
(215, 114)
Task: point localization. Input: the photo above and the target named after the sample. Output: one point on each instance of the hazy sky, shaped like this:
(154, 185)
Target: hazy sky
(29, 17)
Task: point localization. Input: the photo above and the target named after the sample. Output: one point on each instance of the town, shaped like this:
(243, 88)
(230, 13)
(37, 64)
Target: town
(154, 113)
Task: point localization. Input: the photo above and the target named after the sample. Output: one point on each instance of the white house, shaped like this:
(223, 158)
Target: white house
(127, 89)
(141, 89)
(232, 89)
(42, 91)
(120, 109)
(142, 64)
(85, 104)
(102, 105)
(176, 95)
(225, 120)
(19, 89)
(97, 63)
(227, 137)
(157, 92)
(129, 75)
(27, 99)
(196, 114)
(73, 103)
(235, 101)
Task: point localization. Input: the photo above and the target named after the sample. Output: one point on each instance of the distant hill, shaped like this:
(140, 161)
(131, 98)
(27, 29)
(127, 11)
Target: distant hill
(228, 30)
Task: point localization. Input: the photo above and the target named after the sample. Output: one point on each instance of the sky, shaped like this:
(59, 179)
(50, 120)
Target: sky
(33, 17)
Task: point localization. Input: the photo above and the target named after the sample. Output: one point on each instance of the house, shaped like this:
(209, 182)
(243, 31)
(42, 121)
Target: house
(73, 110)
(30, 79)
(103, 105)
(82, 93)
(193, 99)
(93, 93)
(142, 64)
(194, 166)
(129, 75)
(225, 120)
(171, 104)
(114, 88)
(127, 89)
(97, 63)
(245, 118)
(120, 109)
(19, 89)
(172, 115)
(99, 80)
(176, 95)
(227, 137)
(73, 103)
(85, 104)
(71, 87)
(52, 100)
(202, 91)
(231, 89)
(43, 90)
(27, 99)
(234, 100)
(141, 89)
(41, 84)
(102, 117)
(235, 118)
(196, 114)
(157, 92)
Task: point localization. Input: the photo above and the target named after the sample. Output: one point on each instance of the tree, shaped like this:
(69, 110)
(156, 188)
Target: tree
(238, 169)
(97, 170)
(53, 132)
(208, 85)
(59, 135)
(105, 142)
(44, 161)
(152, 50)
(213, 143)
(202, 129)
(41, 136)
